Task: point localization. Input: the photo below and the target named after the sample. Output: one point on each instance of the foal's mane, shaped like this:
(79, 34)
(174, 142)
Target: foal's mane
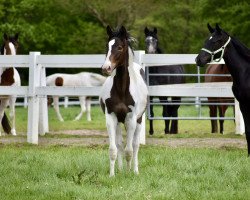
(131, 40)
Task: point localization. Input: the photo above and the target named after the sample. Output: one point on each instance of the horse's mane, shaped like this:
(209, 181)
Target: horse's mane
(131, 40)
(241, 48)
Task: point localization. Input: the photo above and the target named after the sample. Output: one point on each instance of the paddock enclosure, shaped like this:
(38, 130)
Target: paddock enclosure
(37, 91)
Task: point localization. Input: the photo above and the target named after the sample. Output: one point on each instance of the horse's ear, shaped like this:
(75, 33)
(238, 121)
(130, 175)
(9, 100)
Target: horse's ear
(123, 32)
(218, 28)
(146, 31)
(16, 36)
(109, 31)
(5, 36)
(155, 30)
(210, 28)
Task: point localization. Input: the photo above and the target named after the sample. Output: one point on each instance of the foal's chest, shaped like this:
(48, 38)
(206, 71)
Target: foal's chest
(120, 104)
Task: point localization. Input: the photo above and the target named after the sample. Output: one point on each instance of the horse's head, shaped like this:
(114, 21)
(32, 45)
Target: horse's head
(117, 49)
(10, 45)
(214, 46)
(151, 40)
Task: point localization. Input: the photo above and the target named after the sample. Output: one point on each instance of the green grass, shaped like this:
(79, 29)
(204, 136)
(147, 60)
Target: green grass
(73, 172)
(187, 128)
(33, 172)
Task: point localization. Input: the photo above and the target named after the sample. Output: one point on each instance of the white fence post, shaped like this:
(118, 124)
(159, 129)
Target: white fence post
(43, 126)
(33, 100)
(138, 59)
(239, 122)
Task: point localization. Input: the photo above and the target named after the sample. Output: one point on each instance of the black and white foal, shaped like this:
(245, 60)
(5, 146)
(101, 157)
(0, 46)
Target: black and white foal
(123, 98)
(8, 76)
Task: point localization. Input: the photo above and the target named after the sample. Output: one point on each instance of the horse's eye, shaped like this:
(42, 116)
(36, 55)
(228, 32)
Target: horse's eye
(119, 48)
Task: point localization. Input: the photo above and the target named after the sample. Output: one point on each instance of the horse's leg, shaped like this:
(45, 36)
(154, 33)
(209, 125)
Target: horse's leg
(83, 107)
(13, 114)
(222, 110)
(56, 107)
(3, 105)
(245, 110)
(213, 113)
(165, 113)
(119, 146)
(111, 123)
(151, 126)
(136, 146)
(130, 124)
(88, 106)
(174, 113)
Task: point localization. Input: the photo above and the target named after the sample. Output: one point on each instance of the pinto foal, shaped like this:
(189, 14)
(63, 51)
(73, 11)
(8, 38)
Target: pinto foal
(9, 76)
(123, 98)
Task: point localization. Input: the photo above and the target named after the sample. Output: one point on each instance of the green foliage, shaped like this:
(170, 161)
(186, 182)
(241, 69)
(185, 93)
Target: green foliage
(78, 26)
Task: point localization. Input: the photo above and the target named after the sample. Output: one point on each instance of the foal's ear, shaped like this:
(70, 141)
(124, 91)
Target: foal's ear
(16, 36)
(123, 32)
(146, 31)
(210, 28)
(109, 31)
(155, 30)
(5, 36)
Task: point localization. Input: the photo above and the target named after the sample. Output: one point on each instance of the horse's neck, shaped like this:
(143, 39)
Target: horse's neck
(235, 61)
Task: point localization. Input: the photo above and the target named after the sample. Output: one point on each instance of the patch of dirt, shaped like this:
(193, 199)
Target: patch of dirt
(96, 137)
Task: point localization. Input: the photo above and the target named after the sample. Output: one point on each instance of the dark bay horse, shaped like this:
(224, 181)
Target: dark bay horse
(237, 58)
(152, 47)
(9, 76)
(123, 98)
(218, 69)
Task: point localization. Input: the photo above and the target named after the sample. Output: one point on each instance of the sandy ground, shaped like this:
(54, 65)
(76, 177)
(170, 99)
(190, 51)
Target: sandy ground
(95, 137)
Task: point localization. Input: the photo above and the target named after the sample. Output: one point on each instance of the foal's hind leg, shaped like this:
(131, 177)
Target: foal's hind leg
(174, 113)
(56, 107)
(88, 108)
(151, 125)
(165, 113)
(3, 104)
(83, 108)
(13, 115)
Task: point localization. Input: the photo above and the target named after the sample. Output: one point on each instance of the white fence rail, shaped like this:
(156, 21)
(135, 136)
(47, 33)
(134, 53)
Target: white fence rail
(37, 90)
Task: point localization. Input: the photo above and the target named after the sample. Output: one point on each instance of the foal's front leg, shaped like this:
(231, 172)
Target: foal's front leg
(119, 146)
(111, 123)
(130, 124)
(136, 146)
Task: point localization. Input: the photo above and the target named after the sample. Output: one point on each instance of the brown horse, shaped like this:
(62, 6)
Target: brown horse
(218, 69)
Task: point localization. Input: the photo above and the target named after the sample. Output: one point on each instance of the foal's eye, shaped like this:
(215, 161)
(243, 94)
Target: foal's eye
(119, 48)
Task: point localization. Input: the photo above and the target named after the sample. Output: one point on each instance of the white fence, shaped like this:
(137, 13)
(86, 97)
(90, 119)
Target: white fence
(37, 90)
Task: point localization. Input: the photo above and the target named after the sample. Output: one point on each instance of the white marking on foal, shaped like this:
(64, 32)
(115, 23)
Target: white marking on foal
(210, 37)
(12, 49)
(107, 64)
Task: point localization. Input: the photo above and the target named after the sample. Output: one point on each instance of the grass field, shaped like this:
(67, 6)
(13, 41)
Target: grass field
(78, 172)
(186, 127)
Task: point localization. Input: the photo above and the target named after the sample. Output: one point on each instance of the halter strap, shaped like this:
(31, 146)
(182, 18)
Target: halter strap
(213, 53)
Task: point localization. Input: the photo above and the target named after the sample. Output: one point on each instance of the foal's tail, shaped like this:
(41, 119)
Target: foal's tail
(6, 124)
(99, 78)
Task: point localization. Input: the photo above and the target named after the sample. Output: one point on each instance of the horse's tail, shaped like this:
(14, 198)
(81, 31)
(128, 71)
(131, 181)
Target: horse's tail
(101, 79)
(6, 124)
